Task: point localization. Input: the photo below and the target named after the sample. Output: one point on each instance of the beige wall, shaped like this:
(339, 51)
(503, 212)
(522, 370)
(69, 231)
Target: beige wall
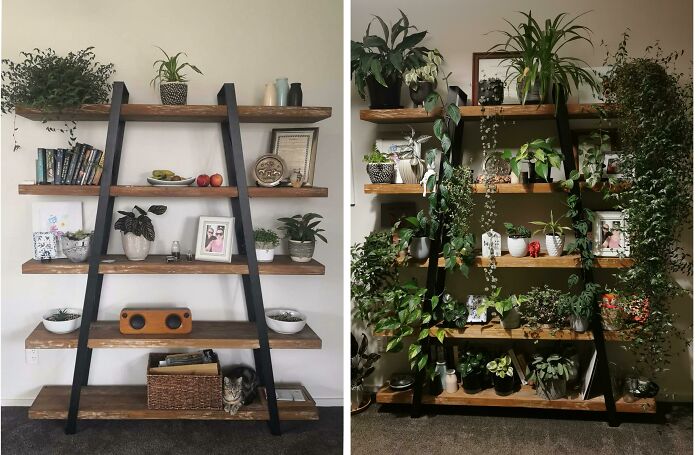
(248, 43)
(458, 29)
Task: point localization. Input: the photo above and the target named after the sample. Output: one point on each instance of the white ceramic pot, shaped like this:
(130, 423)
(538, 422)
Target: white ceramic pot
(554, 244)
(287, 327)
(518, 247)
(511, 320)
(265, 254)
(62, 326)
(136, 247)
(301, 251)
(411, 174)
(419, 248)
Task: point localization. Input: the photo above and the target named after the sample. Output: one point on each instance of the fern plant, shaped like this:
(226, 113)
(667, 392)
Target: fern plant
(140, 225)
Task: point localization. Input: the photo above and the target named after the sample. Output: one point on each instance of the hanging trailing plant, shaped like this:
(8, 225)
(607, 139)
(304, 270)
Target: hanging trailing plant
(654, 106)
(488, 129)
(458, 251)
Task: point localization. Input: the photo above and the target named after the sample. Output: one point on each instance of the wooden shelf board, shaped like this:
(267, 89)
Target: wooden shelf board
(156, 264)
(177, 191)
(524, 398)
(568, 261)
(204, 335)
(501, 188)
(471, 113)
(494, 331)
(130, 402)
(187, 113)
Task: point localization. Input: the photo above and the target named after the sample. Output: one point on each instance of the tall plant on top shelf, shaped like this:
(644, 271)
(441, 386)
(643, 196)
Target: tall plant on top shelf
(539, 66)
(170, 78)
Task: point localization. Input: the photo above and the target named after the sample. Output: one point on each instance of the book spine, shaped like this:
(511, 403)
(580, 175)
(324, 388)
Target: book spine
(58, 173)
(50, 166)
(98, 170)
(67, 155)
(83, 166)
(73, 162)
(41, 166)
(78, 161)
(93, 166)
(37, 171)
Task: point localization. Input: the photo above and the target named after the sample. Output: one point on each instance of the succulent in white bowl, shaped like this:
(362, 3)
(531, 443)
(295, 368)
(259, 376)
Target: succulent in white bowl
(62, 320)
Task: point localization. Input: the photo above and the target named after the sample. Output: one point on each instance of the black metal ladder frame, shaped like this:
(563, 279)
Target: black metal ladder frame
(240, 206)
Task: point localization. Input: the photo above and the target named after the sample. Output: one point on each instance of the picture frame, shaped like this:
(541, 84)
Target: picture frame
(57, 218)
(45, 245)
(473, 302)
(297, 147)
(610, 234)
(611, 152)
(211, 245)
(493, 64)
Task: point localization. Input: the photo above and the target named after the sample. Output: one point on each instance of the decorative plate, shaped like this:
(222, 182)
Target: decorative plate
(269, 170)
(183, 182)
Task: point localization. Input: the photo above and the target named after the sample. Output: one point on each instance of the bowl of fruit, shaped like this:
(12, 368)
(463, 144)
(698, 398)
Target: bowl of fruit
(282, 320)
(165, 177)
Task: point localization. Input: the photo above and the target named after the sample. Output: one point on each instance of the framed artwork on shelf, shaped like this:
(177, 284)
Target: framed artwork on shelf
(45, 245)
(297, 147)
(215, 236)
(486, 65)
(610, 234)
(57, 218)
(473, 302)
(586, 141)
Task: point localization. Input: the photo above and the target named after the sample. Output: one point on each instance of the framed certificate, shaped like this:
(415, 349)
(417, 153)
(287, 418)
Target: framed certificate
(297, 147)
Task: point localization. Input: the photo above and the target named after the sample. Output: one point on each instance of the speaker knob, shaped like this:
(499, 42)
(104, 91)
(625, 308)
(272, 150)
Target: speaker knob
(173, 321)
(137, 322)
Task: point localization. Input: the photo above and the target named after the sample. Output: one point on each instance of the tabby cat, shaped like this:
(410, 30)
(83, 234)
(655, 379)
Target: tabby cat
(240, 388)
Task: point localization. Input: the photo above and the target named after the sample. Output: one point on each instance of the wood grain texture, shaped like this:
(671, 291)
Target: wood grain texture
(129, 402)
(568, 261)
(162, 191)
(155, 264)
(525, 398)
(501, 188)
(188, 113)
(204, 335)
(495, 331)
(472, 113)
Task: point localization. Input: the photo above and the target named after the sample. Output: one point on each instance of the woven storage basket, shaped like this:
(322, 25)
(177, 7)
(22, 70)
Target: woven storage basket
(166, 391)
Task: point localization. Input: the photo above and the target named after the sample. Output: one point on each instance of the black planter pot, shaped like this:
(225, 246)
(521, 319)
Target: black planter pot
(420, 93)
(491, 92)
(295, 94)
(381, 97)
(534, 96)
(471, 383)
(173, 93)
(435, 386)
(534, 178)
(503, 386)
(381, 172)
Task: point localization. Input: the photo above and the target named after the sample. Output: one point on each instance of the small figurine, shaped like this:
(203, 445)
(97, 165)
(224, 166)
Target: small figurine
(534, 248)
(296, 178)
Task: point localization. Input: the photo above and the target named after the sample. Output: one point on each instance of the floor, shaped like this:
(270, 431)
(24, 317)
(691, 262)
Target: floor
(389, 430)
(22, 436)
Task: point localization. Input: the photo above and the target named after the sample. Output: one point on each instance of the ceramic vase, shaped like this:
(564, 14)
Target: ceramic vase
(420, 93)
(411, 173)
(451, 385)
(295, 95)
(270, 96)
(136, 247)
(554, 244)
(282, 87)
(517, 247)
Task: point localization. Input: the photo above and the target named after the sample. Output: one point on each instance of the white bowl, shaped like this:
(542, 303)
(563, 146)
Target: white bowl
(62, 326)
(282, 326)
(184, 182)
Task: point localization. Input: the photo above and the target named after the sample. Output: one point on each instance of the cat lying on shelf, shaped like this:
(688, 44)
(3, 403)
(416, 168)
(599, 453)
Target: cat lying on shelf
(240, 388)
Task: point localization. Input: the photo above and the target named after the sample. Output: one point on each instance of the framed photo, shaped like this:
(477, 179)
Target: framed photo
(610, 235)
(215, 236)
(583, 140)
(611, 163)
(493, 64)
(45, 245)
(473, 302)
(297, 147)
(57, 218)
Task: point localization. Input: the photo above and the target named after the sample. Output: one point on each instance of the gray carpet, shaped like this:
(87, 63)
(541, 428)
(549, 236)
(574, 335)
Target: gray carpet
(21, 436)
(388, 430)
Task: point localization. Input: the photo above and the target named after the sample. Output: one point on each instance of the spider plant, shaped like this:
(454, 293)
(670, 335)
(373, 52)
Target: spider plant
(169, 69)
(539, 64)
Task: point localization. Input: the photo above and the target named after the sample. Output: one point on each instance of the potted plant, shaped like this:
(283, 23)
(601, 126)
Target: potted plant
(62, 320)
(266, 241)
(541, 157)
(502, 370)
(417, 236)
(138, 233)
(48, 82)
(537, 66)
(173, 85)
(471, 368)
(540, 308)
(553, 234)
(550, 375)
(378, 64)
(301, 232)
(612, 314)
(379, 167)
(411, 166)
(579, 308)
(76, 245)
(361, 366)
(518, 239)
(491, 92)
(421, 81)
(506, 309)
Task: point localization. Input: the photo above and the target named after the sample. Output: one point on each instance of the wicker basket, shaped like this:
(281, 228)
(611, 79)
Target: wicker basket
(166, 391)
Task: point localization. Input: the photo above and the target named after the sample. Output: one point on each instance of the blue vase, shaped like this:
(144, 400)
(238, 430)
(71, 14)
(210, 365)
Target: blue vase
(282, 86)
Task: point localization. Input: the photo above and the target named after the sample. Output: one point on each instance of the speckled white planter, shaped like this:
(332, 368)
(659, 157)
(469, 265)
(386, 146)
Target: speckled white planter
(554, 244)
(136, 247)
(518, 247)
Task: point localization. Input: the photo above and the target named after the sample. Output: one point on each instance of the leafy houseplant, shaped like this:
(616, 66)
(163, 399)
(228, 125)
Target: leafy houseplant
(48, 82)
(379, 167)
(580, 307)
(518, 239)
(379, 63)
(301, 231)
(169, 76)
(592, 149)
(421, 81)
(506, 309)
(76, 245)
(417, 236)
(538, 67)
(502, 370)
(541, 157)
(472, 367)
(550, 375)
(540, 307)
(554, 234)
(454, 313)
(457, 213)
(137, 231)
(266, 241)
(361, 366)
(411, 166)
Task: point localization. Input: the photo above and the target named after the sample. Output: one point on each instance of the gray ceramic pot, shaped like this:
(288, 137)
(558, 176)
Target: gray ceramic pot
(419, 248)
(173, 93)
(381, 172)
(301, 251)
(579, 324)
(76, 250)
(511, 320)
(552, 390)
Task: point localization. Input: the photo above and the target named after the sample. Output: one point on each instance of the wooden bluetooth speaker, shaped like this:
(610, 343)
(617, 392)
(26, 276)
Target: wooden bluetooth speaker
(155, 321)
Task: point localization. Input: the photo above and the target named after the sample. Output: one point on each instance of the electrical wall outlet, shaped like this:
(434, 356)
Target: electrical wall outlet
(31, 356)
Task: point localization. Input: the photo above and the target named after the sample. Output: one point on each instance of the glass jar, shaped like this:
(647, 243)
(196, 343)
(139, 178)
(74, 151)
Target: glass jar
(175, 250)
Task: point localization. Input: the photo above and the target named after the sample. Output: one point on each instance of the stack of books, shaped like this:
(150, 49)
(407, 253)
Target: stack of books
(81, 165)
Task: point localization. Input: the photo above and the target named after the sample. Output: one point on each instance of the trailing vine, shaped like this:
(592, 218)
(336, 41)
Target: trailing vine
(488, 129)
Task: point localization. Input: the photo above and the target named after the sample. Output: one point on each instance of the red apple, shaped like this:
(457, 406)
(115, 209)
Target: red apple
(203, 180)
(216, 180)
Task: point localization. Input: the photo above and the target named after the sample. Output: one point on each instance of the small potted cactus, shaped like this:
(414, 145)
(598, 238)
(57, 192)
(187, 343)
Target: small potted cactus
(266, 241)
(76, 245)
